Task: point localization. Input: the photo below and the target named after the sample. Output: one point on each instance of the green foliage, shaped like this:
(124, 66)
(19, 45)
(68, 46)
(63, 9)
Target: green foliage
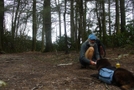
(21, 43)
(38, 45)
(60, 43)
(119, 40)
(122, 39)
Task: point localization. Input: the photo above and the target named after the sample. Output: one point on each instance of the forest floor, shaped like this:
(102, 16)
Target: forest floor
(55, 71)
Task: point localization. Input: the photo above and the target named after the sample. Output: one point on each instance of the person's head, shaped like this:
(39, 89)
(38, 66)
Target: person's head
(92, 38)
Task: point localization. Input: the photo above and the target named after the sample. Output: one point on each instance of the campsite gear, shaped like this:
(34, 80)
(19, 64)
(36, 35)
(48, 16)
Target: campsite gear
(106, 75)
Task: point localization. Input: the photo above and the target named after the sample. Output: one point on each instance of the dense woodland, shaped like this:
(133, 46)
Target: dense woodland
(111, 20)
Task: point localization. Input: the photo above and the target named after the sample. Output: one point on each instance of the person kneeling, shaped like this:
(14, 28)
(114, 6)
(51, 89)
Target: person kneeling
(89, 52)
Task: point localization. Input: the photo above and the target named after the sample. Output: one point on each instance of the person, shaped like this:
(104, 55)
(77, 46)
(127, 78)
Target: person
(89, 53)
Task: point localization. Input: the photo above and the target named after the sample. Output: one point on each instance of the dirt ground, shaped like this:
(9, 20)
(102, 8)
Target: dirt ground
(55, 71)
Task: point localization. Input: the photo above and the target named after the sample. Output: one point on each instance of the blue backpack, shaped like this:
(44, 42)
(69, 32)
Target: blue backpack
(106, 75)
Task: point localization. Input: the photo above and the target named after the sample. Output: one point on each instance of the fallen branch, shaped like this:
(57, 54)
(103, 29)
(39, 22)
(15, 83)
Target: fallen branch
(65, 64)
(106, 86)
(37, 87)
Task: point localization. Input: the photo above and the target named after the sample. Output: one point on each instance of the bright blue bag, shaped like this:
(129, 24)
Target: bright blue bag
(106, 75)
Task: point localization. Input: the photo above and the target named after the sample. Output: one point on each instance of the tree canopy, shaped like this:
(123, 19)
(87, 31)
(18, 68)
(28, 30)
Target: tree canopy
(38, 24)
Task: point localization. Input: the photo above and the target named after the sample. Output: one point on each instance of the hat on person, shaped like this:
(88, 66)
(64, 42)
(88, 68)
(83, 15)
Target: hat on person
(92, 37)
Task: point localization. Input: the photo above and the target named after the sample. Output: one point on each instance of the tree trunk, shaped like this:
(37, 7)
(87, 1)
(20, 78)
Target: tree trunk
(15, 19)
(99, 17)
(117, 25)
(43, 30)
(34, 26)
(47, 24)
(109, 17)
(79, 18)
(77, 43)
(59, 15)
(72, 22)
(1, 24)
(66, 47)
(81, 30)
(104, 22)
(84, 21)
(122, 9)
(14, 23)
(133, 11)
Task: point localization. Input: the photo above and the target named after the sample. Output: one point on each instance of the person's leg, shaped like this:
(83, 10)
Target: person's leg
(89, 53)
(83, 64)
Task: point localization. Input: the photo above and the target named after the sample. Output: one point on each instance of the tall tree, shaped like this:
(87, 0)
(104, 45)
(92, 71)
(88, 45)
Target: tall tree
(104, 22)
(84, 20)
(43, 30)
(72, 21)
(81, 30)
(66, 47)
(47, 25)
(109, 16)
(59, 15)
(79, 22)
(14, 21)
(123, 19)
(117, 25)
(133, 10)
(34, 26)
(1, 24)
(77, 36)
(98, 9)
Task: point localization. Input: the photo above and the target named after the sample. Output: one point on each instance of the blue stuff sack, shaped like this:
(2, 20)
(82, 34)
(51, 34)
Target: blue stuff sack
(106, 75)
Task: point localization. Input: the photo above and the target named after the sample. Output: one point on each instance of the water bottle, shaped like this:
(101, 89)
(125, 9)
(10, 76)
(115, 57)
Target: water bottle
(117, 65)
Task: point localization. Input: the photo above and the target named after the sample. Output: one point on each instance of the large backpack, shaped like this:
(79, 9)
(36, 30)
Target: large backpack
(106, 75)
